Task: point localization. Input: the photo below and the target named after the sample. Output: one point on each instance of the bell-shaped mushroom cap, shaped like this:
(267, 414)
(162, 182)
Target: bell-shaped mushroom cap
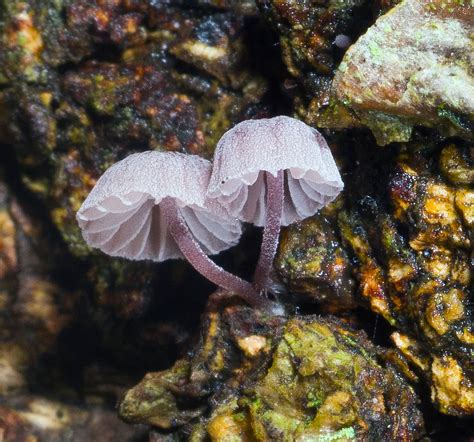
(122, 214)
(253, 147)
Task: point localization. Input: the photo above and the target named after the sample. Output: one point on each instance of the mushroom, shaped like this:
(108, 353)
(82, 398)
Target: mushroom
(273, 172)
(153, 205)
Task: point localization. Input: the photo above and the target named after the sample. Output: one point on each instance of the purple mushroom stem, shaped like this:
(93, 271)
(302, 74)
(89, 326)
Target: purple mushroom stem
(200, 261)
(271, 230)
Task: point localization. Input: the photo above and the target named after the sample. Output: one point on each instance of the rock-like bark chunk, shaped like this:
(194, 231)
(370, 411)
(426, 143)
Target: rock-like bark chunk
(413, 66)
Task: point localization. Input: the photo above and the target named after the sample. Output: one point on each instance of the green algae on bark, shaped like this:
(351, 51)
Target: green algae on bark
(320, 380)
(325, 382)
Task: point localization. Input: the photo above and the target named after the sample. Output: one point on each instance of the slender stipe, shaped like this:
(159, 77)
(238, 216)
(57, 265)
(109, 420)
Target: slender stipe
(201, 262)
(271, 230)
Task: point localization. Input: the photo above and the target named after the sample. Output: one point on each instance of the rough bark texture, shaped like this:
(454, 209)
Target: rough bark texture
(85, 83)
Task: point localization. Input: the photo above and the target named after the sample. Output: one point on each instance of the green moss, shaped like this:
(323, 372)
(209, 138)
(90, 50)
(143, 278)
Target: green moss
(309, 390)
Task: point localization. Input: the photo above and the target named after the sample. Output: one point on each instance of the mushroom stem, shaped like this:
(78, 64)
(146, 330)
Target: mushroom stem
(201, 262)
(271, 230)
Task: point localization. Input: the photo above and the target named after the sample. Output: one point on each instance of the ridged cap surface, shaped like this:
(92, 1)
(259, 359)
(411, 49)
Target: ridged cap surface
(253, 147)
(122, 214)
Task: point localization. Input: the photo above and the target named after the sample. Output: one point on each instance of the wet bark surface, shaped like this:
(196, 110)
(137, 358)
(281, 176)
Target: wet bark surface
(373, 338)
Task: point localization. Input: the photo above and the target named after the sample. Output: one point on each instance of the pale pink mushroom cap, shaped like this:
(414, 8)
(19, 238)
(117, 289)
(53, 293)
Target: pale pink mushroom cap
(122, 214)
(252, 147)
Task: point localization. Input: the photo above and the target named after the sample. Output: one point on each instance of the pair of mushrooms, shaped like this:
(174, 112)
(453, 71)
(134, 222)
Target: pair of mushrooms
(164, 205)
